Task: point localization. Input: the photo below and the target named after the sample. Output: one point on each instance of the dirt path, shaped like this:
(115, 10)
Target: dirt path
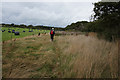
(31, 50)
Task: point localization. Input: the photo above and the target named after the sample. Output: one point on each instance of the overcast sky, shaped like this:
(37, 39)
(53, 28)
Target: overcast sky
(58, 14)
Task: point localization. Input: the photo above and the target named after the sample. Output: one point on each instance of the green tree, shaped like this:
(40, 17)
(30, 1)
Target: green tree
(108, 15)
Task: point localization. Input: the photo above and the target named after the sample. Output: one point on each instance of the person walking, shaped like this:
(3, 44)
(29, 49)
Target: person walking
(52, 33)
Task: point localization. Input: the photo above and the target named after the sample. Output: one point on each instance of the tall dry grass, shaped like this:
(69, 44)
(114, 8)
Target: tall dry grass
(91, 58)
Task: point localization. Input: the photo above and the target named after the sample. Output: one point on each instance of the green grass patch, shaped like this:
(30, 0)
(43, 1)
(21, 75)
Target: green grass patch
(8, 36)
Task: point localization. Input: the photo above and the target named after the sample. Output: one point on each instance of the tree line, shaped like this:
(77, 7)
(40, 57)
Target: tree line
(31, 26)
(106, 21)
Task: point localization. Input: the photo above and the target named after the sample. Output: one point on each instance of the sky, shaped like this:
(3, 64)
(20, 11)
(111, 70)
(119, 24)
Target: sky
(57, 14)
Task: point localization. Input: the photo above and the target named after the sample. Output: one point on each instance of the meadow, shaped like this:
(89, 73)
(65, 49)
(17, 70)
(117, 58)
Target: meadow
(8, 36)
(68, 56)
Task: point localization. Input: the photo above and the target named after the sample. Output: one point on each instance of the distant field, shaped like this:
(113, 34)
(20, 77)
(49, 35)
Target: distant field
(68, 56)
(8, 36)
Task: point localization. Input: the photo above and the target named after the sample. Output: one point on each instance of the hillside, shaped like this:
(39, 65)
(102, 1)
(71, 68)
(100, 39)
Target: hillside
(78, 26)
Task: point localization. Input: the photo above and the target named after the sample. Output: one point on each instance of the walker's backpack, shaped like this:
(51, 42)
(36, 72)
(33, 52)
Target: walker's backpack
(51, 32)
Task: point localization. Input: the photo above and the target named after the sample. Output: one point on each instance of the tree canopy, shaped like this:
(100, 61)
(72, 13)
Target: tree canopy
(108, 15)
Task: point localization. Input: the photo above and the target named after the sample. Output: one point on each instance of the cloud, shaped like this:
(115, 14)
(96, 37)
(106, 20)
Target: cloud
(59, 14)
(53, 0)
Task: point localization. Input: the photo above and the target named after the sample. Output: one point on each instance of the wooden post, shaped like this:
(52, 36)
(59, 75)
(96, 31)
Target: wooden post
(11, 38)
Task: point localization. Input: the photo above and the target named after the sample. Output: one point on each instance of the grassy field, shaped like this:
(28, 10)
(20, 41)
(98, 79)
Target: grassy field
(8, 36)
(67, 56)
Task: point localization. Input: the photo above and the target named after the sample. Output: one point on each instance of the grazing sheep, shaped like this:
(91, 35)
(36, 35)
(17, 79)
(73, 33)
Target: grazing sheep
(17, 33)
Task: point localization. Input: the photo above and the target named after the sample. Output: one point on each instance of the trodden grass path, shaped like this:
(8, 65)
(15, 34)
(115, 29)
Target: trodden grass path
(32, 57)
(66, 57)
